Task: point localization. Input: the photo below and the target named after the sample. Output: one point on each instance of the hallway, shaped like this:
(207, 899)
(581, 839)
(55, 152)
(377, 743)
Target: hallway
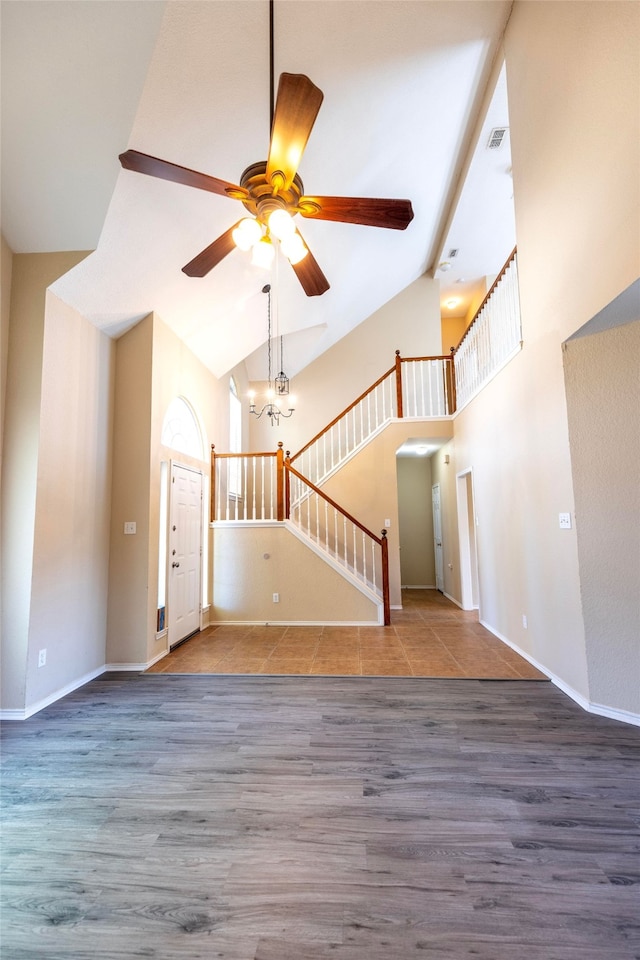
(429, 637)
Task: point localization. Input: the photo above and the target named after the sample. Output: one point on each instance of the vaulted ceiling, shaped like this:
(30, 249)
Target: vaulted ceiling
(403, 83)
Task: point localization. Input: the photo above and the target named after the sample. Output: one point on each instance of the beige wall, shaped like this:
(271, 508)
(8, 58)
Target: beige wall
(73, 503)
(415, 522)
(153, 367)
(410, 322)
(28, 395)
(6, 264)
(254, 562)
(602, 374)
(131, 555)
(576, 197)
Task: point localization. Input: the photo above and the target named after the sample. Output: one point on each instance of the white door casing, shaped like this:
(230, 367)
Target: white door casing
(469, 586)
(437, 536)
(185, 552)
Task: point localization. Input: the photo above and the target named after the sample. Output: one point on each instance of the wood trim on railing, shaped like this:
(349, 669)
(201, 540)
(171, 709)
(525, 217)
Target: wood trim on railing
(399, 385)
(344, 413)
(451, 385)
(287, 486)
(446, 356)
(212, 498)
(495, 283)
(280, 482)
(381, 541)
(333, 503)
(386, 602)
(271, 453)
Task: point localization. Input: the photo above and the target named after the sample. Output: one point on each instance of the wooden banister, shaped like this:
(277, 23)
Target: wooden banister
(280, 514)
(386, 602)
(398, 384)
(381, 540)
(493, 286)
(332, 503)
(212, 498)
(344, 413)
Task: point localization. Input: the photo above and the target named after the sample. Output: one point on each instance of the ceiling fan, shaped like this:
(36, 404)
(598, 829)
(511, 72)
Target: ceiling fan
(273, 193)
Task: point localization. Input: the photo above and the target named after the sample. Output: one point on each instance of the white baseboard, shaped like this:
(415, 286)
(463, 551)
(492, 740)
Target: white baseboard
(298, 623)
(417, 586)
(51, 698)
(130, 667)
(453, 600)
(625, 716)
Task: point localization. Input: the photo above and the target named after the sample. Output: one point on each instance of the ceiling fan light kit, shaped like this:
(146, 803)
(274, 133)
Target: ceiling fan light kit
(273, 187)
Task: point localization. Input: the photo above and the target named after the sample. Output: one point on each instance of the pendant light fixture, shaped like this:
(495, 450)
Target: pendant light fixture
(277, 387)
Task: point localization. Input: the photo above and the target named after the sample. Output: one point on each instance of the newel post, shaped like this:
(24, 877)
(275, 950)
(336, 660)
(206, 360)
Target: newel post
(280, 482)
(399, 384)
(212, 499)
(287, 487)
(451, 382)
(385, 579)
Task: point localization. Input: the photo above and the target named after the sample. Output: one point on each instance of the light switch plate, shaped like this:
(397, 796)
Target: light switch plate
(565, 521)
(130, 526)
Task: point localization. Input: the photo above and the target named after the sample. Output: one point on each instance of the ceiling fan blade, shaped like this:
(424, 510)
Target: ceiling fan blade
(370, 212)
(211, 255)
(153, 167)
(313, 281)
(295, 113)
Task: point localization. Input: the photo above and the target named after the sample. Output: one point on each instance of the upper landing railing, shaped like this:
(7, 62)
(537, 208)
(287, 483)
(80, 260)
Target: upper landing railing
(424, 387)
(414, 387)
(493, 336)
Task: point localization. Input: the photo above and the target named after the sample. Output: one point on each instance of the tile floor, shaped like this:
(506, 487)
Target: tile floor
(429, 637)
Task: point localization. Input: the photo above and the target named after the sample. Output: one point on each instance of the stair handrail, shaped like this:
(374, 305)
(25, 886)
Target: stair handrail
(487, 297)
(382, 541)
(347, 410)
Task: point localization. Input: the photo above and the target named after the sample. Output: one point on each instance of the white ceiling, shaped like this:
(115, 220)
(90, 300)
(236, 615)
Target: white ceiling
(403, 84)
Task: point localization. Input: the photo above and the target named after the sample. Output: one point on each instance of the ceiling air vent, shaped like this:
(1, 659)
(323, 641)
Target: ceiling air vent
(496, 137)
(452, 253)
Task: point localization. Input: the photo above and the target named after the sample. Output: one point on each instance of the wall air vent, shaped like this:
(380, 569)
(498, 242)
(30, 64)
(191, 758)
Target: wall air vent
(496, 137)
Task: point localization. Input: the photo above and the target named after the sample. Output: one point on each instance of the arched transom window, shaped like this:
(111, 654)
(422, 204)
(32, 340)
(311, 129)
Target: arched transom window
(181, 430)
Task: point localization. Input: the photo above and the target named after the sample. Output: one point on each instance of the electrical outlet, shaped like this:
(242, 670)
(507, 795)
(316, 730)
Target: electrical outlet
(276, 598)
(42, 658)
(130, 526)
(564, 521)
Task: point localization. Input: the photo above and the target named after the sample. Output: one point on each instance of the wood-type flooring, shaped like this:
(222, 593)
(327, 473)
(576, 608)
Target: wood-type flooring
(429, 637)
(308, 818)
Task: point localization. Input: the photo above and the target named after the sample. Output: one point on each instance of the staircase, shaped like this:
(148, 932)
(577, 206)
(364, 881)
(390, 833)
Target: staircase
(278, 487)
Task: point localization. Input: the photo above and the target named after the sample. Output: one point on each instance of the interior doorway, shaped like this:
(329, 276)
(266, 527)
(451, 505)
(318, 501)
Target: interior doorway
(467, 528)
(185, 552)
(437, 536)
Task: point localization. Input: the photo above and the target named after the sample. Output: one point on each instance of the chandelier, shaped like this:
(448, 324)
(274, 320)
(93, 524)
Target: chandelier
(279, 385)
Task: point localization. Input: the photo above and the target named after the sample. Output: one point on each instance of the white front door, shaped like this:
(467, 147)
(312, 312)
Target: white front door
(437, 536)
(185, 552)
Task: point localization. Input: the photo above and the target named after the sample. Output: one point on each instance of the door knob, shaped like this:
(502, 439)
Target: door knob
(175, 564)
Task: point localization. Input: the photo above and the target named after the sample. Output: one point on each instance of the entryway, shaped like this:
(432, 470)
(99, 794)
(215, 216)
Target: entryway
(185, 552)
